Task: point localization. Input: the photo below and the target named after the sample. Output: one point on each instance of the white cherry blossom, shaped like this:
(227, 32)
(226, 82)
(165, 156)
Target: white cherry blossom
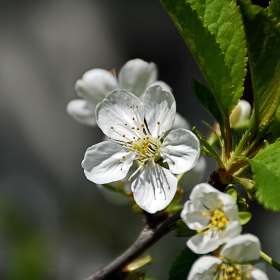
(139, 132)
(233, 263)
(135, 76)
(214, 215)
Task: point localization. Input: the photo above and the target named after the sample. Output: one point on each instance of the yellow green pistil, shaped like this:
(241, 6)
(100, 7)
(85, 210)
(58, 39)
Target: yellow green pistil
(218, 220)
(146, 148)
(229, 271)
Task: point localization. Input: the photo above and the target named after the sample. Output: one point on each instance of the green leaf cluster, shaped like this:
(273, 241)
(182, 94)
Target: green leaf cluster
(221, 34)
(214, 33)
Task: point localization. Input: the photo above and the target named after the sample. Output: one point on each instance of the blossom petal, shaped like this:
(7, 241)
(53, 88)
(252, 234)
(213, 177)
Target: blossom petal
(95, 85)
(194, 175)
(81, 112)
(162, 84)
(204, 268)
(136, 75)
(207, 194)
(244, 248)
(160, 109)
(101, 163)
(154, 188)
(203, 243)
(117, 110)
(181, 150)
(180, 122)
(192, 215)
(232, 230)
(258, 274)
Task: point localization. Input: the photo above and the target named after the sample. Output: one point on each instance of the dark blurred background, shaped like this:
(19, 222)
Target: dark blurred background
(54, 223)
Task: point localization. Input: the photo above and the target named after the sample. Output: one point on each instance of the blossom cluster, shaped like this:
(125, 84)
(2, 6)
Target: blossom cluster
(214, 216)
(137, 114)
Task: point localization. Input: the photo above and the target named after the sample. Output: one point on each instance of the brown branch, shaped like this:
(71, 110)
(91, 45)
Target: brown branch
(146, 239)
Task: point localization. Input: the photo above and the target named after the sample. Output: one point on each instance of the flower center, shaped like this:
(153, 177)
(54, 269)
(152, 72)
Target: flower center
(146, 148)
(228, 271)
(218, 220)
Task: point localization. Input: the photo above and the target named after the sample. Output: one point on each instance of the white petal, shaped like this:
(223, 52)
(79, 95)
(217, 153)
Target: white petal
(160, 106)
(192, 215)
(233, 229)
(101, 164)
(202, 243)
(162, 84)
(95, 85)
(206, 193)
(180, 122)
(244, 248)
(181, 150)
(258, 274)
(154, 188)
(136, 75)
(204, 268)
(81, 112)
(114, 111)
(194, 175)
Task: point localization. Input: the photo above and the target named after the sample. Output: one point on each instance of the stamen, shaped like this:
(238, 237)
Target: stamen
(129, 179)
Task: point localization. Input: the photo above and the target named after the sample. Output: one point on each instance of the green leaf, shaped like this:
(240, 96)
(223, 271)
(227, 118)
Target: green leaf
(274, 9)
(211, 151)
(275, 127)
(224, 21)
(207, 100)
(207, 52)
(180, 268)
(263, 42)
(265, 167)
(231, 190)
(244, 217)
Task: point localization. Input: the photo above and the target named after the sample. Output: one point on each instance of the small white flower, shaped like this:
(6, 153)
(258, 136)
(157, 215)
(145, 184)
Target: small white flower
(234, 262)
(214, 215)
(136, 131)
(135, 76)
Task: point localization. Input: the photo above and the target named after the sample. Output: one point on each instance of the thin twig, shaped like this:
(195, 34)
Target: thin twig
(146, 239)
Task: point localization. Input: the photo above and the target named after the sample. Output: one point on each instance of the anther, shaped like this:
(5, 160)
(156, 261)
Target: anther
(125, 123)
(109, 137)
(204, 214)
(136, 106)
(119, 160)
(138, 128)
(158, 122)
(112, 127)
(123, 135)
(133, 119)
(142, 124)
(123, 157)
(133, 127)
(130, 106)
